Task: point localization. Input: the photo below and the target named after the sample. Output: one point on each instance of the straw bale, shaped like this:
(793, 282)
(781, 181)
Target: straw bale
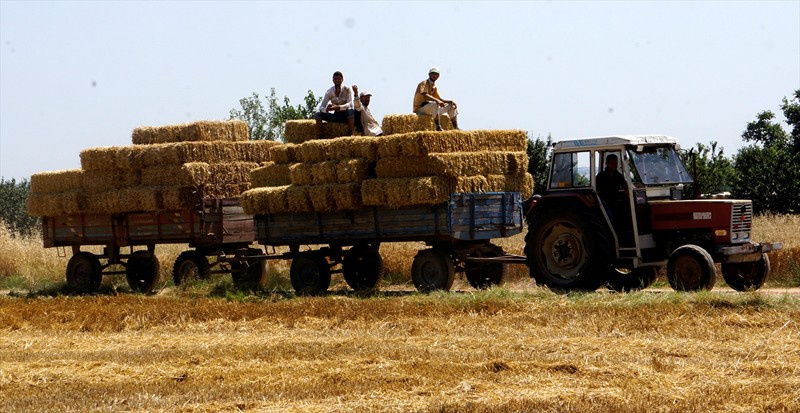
(222, 190)
(300, 174)
(453, 164)
(271, 174)
(56, 181)
(123, 200)
(337, 149)
(321, 197)
(335, 197)
(424, 143)
(55, 203)
(352, 170)
(522, 183)
(186, 152)
(266, 200)
(297, 198)
(405, 123)
(95, 181)
(283, 153)
(230, 173)
(401, 192)
(303, 130)
(188, 174)
(206, 130)
(102, 158)
(179, 198)
(324, 172)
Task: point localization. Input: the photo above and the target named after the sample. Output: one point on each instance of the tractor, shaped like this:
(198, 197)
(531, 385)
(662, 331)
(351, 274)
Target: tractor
(582, 236)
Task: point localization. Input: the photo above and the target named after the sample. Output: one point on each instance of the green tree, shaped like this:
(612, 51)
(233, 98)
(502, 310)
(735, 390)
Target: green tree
(265, 120)
(768, 171)
(539, 153)
(14, 207)
(711, 170)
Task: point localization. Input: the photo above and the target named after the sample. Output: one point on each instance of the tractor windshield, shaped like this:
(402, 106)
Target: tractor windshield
(659, 166)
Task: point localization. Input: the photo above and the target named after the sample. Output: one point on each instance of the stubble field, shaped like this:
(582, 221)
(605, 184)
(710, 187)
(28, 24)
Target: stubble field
(515, 348)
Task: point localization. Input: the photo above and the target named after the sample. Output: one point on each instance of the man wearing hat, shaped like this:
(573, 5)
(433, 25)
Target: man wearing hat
(428, 102)
(365, 122)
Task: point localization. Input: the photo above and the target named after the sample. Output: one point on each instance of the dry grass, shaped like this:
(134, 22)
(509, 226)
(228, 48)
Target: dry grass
(494, 351)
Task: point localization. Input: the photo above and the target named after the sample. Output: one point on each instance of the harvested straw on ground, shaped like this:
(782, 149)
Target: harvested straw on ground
(266, 200)
(424, 143)
(56, 181)
(206, 130)
(303, 130)
(283, 153)
(271, 174)
(405, 123)
(453, 164)
(337, 149)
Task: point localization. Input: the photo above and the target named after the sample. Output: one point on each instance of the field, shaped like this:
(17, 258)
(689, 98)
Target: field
(210, 347)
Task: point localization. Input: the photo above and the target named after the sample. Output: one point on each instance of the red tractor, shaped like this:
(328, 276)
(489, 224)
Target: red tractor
(595, 226)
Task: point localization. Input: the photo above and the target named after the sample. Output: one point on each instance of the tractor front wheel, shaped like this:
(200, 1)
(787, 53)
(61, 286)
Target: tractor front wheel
(691, 268)
(746, 276)
(626, 280)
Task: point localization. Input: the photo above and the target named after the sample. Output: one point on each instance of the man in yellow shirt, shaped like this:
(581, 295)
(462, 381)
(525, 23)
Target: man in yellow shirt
(428, 102)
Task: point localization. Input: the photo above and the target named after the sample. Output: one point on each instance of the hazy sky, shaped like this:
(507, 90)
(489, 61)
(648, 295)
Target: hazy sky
(75, 75)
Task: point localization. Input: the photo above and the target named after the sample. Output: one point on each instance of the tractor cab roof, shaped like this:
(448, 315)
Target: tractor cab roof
(614, 141)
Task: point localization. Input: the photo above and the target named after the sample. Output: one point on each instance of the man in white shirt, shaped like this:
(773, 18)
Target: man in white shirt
(364, 118)
(339, 100)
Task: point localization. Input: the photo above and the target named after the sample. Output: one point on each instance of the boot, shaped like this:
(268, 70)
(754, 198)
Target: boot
(438, 125)
(455, 124)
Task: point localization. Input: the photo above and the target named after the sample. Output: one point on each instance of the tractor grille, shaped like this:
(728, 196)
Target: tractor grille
(741, 221)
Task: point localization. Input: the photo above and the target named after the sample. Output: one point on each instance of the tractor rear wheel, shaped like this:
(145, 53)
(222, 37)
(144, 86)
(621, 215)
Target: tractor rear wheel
(433, 270)
(143, 272)
(626, 280)
(84, 273)
(746, 276)
(310, 274)
(362, 268)
(567, 251)
(691, 268)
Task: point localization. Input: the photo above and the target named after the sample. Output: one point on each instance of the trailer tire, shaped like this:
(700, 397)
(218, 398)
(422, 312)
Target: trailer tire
(190, 265)
(362, 268)
(84, 273)
(143, 272)
(623, 280)
(482, 276)
(747, 276)
(691, 268)
(433, 270)
(567, 251)
(310, 274)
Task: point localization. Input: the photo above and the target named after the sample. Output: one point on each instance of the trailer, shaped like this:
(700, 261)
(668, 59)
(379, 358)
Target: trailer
(458, 233)
(217, 228)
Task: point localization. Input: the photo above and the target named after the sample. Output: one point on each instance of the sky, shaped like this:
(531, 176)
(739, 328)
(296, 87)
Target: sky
(75, 75)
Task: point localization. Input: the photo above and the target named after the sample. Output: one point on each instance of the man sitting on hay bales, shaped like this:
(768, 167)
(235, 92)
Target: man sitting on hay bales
(365, 122)
(428, 102)
(339, 100)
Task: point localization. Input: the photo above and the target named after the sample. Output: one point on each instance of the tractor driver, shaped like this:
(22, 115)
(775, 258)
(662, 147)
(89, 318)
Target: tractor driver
(610, 183)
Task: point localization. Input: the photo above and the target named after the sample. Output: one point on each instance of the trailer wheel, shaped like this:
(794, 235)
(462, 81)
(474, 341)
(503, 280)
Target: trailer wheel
(362, 268)
(310, 274)
(143, 272)
(691, 268)
(746, 276)
(486, 275)
(83, 273)
(625, 280)
(190, 265)
(432, 270)
(567, 251)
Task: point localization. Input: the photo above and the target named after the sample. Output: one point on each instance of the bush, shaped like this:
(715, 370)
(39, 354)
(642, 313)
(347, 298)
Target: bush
(14, 207)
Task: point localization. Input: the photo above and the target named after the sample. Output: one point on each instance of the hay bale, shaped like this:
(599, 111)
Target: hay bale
(266, 200)
(206, 130)
(425, 143)
(123, 200)
(209, 152)
(271, 174)
(352, 170)
(230, 173)
(453, 164)
(522, 183)
(303, 130)
(56, 181)
(335, 197)
(300, 174)
(56, 203)
(402, 192)
(188, 174)
(405, 123)
(95, 181)
(101, 158)
(283, 153)
(297, 199)
(337, 149)
(233, 190)
(321, 197)
(179, 198)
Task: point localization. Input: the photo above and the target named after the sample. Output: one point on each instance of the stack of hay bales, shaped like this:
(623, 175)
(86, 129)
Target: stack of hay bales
(303, 130)
(405, 123)
(168, 168)
(410, 169)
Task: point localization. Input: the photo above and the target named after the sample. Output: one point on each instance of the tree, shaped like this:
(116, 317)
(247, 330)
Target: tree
(711, 170)
(267, 123)
(14, 207)
(539, 154)
(768, 171)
